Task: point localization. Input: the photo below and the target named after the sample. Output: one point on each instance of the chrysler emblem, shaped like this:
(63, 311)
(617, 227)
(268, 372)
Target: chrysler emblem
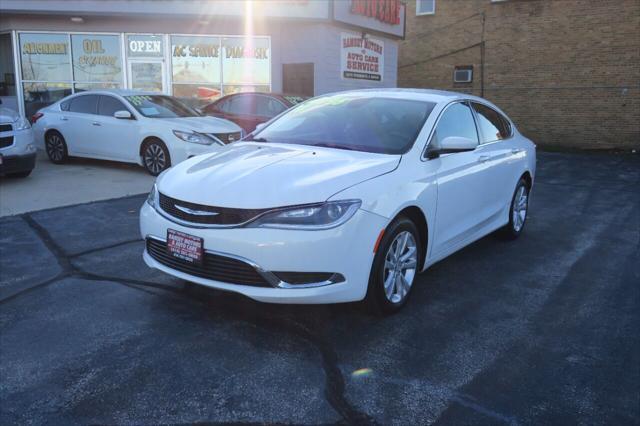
(196, 212)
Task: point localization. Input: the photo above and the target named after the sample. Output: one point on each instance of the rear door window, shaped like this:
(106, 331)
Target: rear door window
(242, 105)
(108, 106)
(268, 107)
(493, 126)
(86, 104)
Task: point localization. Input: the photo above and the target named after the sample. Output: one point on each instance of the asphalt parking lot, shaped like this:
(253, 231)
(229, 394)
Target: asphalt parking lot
(540, 330)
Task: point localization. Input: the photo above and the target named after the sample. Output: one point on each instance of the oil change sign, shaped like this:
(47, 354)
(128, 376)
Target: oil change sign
(361, 58)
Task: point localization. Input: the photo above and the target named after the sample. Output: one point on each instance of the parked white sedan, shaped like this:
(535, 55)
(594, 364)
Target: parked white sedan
(342, 198)
(155, 131)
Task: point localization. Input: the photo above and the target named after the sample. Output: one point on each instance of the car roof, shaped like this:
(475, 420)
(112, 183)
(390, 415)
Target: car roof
(121, 92)
(429, 95)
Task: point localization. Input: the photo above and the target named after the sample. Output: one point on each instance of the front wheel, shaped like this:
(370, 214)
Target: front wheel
(155, 157)
(517, 212)
(395, 266)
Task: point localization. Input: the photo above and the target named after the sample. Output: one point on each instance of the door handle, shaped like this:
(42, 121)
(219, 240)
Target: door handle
(95, 123)
(64, 119)
(516, 151)
(483, 158)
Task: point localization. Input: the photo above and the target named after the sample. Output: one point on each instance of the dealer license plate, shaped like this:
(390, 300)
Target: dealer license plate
(184, 246)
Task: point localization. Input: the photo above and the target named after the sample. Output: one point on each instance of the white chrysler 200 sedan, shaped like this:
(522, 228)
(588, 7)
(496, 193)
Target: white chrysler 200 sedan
(342, 198)
(150, 129)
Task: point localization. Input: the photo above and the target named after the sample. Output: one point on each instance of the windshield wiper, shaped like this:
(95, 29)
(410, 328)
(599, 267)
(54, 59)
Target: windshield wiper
(257, 140)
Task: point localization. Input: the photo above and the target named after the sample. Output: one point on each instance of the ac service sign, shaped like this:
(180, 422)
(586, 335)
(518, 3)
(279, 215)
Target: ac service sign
(361, 58)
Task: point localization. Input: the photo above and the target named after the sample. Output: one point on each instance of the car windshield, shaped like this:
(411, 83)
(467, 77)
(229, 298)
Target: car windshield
(160, 106)
(352, 122)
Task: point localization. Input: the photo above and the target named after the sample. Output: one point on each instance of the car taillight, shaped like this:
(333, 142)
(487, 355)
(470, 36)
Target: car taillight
(35, 117)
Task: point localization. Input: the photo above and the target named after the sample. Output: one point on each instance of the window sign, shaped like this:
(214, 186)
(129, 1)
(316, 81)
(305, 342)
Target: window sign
(144, 46)
(96, 58)
(361, 58)
(195, 59)
(246, 61)
(45, 57)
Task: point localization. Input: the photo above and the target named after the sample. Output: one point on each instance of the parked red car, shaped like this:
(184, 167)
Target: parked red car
(248, 110)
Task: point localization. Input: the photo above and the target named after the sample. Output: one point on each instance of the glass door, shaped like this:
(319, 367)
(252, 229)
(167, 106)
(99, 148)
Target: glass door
(147, 75)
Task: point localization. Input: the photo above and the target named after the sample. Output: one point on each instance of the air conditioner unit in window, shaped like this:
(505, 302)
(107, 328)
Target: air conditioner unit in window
(463, 75)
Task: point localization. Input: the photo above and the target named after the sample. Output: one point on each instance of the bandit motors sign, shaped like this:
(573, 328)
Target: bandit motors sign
(361, 58)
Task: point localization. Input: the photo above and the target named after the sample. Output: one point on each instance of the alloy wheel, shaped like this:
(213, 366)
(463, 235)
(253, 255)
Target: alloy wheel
(154, 158)
(55, 147)
(519, 208)
(400, 265)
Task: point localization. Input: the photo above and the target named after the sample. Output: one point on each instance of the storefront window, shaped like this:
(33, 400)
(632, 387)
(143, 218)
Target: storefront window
(7, 75)
(96, 58)
(39, 95)
(246, 64)
(45, 57)
(83, 87)
(195, 67)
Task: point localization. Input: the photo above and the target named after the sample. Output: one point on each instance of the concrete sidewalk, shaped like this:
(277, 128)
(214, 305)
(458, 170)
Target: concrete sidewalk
(79, 181)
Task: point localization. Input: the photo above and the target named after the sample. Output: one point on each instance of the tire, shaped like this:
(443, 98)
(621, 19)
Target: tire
(385, 294)
(56, 147)
(20, 174)
(155, 157)
(517, 212)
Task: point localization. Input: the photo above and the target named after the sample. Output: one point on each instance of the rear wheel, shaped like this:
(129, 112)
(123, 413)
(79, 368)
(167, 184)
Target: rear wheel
(56, 147)
(517, 212)
(155, 157)
(395, 266)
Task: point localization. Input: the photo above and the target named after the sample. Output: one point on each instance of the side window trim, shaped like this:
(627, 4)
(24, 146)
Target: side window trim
(500, 115)
(424, 157)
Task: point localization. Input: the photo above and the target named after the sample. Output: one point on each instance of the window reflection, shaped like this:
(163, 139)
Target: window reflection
(40, 95)
(45, 57)
(96, 58)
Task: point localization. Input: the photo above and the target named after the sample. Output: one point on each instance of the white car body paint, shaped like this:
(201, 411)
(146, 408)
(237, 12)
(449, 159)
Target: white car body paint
(109, 138)
(463, 197)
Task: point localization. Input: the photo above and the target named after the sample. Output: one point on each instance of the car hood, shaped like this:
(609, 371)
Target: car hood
(7, 115)
(202, 124)
(259, 175)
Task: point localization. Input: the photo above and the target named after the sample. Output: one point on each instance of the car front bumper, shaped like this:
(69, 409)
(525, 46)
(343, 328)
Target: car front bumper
(17, 163)
(346, 250)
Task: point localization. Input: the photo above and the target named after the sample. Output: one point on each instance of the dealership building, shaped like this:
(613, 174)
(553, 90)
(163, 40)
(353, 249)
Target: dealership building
(195, 49)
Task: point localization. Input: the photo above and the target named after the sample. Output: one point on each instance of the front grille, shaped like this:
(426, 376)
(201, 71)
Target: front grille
(5, 142)
(224, 216)
(228, 137)
(214, 267)
(5, 128)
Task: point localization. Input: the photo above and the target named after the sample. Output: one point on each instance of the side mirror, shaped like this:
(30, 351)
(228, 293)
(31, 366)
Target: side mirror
(124, 115)
(259, 127)
(450, 145)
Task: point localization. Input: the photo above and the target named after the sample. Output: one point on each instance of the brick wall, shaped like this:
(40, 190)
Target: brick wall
(566, 71)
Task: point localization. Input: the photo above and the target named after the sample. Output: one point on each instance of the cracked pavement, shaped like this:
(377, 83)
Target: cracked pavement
(540, 330)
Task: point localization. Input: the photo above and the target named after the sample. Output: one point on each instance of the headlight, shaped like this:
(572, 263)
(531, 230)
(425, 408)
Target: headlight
(193, 137)
(310, 216)
(21, 124)
(153, 194)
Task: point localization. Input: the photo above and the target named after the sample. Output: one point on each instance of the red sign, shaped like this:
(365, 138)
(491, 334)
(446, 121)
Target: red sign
(387, 11)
